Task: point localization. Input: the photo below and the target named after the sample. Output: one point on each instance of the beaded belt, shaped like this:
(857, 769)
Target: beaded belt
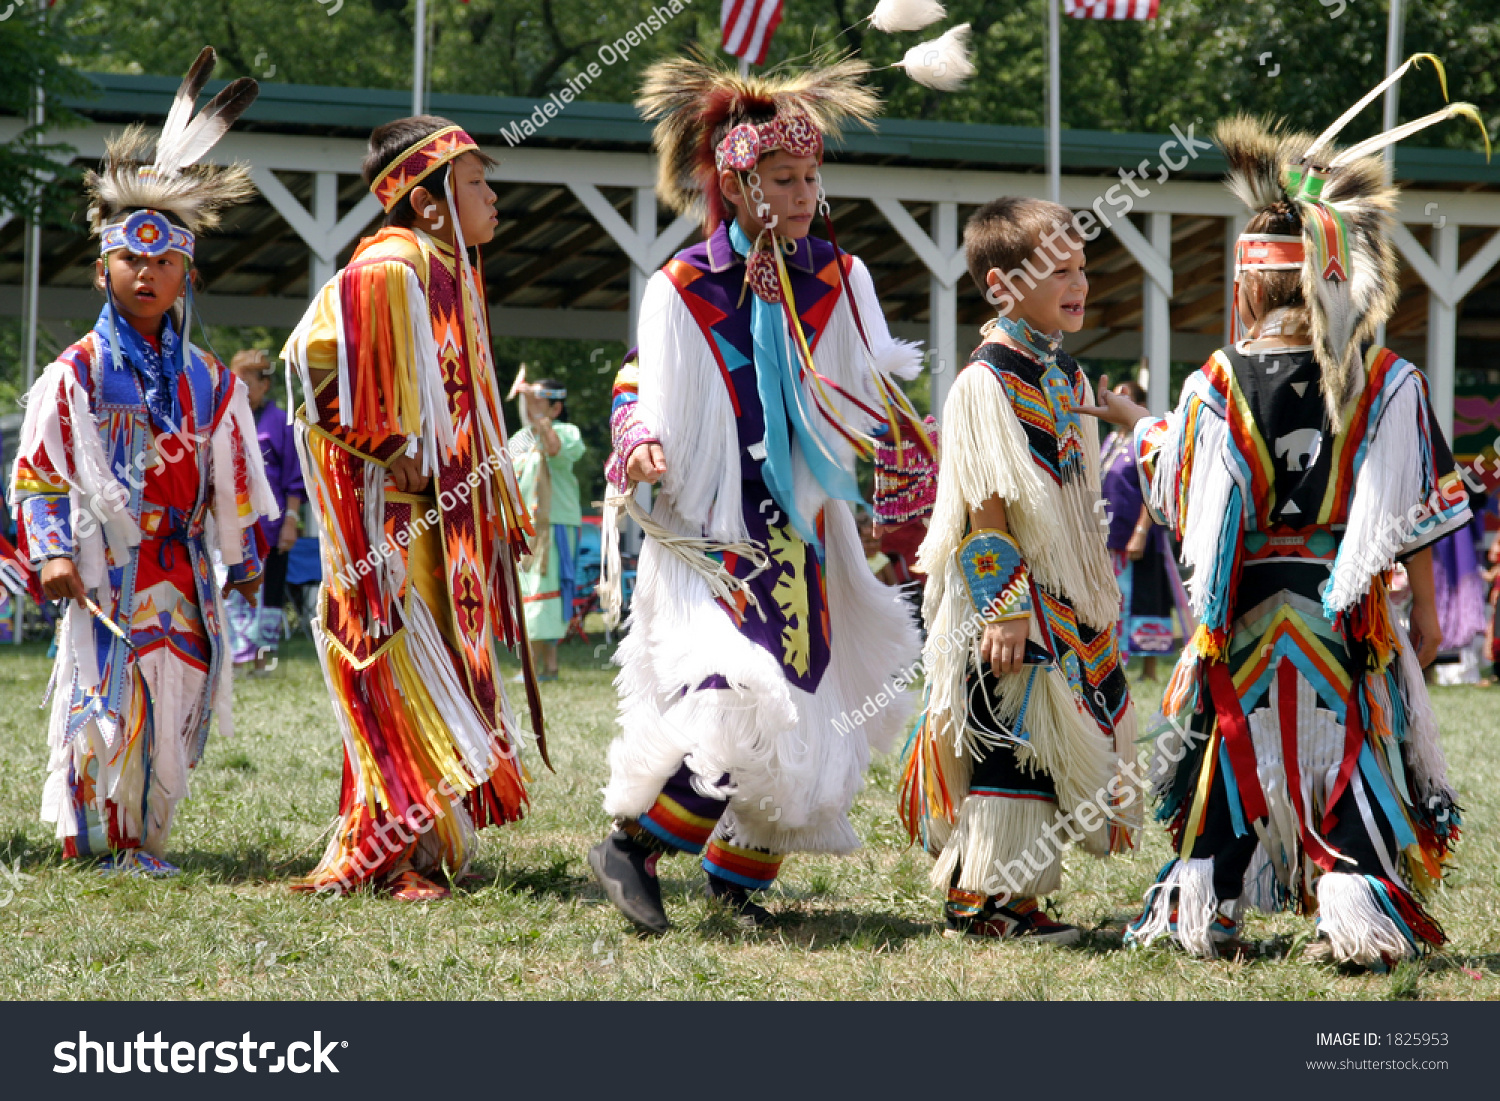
(170, 526)
(1317, 544)
(166, 522)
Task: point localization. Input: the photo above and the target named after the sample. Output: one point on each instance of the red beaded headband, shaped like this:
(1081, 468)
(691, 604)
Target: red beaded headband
(418, 162)
(744, 146)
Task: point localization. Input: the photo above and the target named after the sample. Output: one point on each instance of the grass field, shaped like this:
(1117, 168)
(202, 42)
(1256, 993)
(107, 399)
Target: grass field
(534, 925)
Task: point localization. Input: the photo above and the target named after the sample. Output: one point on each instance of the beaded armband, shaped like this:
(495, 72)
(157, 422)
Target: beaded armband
(628, 434)
(996, 576)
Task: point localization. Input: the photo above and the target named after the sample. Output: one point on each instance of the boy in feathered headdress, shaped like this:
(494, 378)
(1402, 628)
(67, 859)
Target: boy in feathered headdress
(403, 446)
(757, 632)
(1029, 724)
(1300, 767)
(138, 457)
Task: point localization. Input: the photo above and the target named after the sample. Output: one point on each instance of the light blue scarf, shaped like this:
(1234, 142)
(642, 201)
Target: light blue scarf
(786, 412)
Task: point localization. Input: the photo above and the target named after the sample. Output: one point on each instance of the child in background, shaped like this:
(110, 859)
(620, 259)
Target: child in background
(257, 628)
(545, 452)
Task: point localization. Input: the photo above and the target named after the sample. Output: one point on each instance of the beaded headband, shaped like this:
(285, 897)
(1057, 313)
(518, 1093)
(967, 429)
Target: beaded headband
(744, 146)
(1268, 252)
(418, 162)
(146, 233)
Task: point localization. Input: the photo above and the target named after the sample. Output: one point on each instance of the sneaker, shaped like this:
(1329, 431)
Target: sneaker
(1022, 918)
(736, 899)
(137, 863)
(627, 872)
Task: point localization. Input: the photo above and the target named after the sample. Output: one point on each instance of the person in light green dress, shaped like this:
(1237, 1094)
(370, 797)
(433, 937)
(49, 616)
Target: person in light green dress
(551, 492)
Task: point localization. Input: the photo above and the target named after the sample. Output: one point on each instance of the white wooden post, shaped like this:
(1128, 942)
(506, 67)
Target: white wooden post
(1156, 315)
(325, 212)
(1442, 327)
(1234, 225)
(645, 230)
(943, 310)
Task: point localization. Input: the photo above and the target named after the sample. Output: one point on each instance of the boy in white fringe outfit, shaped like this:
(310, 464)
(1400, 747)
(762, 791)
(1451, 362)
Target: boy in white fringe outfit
(1029, 720)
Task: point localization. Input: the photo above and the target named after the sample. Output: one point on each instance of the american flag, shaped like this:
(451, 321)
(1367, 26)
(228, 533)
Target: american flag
(748, 26)
(1111, 9)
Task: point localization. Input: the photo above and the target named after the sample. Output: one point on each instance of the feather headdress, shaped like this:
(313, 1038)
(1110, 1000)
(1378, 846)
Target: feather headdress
(693, 99)
(1345, 207)
(173, 181)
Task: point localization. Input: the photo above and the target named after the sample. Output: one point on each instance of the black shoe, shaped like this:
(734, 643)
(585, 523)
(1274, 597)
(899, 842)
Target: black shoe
(627, 871)
(736, 899)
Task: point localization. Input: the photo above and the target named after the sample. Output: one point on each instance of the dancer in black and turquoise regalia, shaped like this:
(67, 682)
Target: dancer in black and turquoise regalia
(1302, 464)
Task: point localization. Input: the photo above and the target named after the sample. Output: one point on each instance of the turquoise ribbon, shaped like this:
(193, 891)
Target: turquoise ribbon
(786, 413)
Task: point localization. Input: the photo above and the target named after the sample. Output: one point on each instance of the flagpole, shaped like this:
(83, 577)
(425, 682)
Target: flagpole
(1394, 34)
(419, 59)
(32, 260)
(1054, 107)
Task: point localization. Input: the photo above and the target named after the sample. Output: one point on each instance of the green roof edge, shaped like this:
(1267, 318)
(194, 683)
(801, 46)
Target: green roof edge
(323, 106)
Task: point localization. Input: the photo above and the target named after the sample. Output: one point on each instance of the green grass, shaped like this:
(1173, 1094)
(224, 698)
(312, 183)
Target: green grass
(533, 924)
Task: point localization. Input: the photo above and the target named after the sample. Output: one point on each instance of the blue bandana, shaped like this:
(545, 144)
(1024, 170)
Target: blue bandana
(786, 413)
(157, 370)
(1042, 345)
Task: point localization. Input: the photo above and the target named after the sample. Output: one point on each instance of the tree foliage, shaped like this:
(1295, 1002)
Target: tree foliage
(1304, 60)
(33, 55)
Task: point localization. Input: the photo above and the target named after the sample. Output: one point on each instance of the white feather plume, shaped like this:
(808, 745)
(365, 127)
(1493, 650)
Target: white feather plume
(893, 16)
(942, 63)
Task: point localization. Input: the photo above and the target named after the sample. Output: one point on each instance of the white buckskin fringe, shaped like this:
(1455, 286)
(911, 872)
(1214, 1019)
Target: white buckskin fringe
(1192, 881)
(1355, 923)
(796, 759)
(987, 456)
(1425, 761)
(1389, 483)
(55, 398)
(998, 847)
(1062, 741)
(1207, 509)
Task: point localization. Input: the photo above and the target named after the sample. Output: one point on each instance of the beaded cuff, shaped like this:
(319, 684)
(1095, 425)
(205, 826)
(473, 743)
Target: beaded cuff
(48, 520)
(628, 434)
(995, 575)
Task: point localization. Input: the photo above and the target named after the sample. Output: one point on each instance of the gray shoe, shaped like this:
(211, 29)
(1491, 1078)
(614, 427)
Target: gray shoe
(627, 872)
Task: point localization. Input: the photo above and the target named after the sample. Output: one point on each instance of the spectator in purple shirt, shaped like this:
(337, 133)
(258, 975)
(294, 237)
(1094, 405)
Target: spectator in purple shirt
(257, 630)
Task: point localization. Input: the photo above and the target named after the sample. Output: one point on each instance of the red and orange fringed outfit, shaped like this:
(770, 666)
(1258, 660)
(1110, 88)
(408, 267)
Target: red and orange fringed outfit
(417, 588)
